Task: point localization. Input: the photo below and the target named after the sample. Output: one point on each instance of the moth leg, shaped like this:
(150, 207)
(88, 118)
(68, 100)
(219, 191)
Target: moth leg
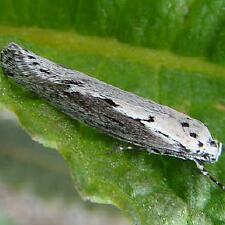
(120, 148)
(125, 147)
(206, 173)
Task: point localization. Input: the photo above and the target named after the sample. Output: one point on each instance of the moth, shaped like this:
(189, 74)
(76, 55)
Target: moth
(157, 128)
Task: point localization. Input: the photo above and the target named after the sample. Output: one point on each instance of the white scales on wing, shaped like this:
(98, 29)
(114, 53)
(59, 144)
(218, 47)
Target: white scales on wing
(174, 127)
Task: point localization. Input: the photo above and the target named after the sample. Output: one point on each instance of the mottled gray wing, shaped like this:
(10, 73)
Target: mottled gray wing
(121, 114)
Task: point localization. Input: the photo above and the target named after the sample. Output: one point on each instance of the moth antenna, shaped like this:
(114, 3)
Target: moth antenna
(206, 173)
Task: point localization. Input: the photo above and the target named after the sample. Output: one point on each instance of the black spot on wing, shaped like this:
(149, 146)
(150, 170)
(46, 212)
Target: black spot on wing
(31, 57)
(213, 144)
(165, 135)
(200, 144)
(110, 102)
(151, 119)
(35, 63)
(185, 124)
(194, 135)
(44, 71)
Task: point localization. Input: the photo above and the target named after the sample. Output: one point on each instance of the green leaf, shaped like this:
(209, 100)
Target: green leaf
(150, 189)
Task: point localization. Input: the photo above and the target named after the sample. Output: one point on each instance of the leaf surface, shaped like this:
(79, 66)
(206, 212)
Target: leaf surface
(150, 189)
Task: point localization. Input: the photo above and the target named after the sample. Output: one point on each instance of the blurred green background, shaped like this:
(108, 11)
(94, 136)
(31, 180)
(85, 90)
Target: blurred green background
(34, 191)
(172, 51)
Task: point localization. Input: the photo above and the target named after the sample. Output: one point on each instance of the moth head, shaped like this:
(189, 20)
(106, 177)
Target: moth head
(213, 151)
(206, 148)
(197, 139)
(194, 137)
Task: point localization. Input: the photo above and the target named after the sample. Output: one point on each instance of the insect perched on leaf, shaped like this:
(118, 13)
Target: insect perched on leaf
(123, 115)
